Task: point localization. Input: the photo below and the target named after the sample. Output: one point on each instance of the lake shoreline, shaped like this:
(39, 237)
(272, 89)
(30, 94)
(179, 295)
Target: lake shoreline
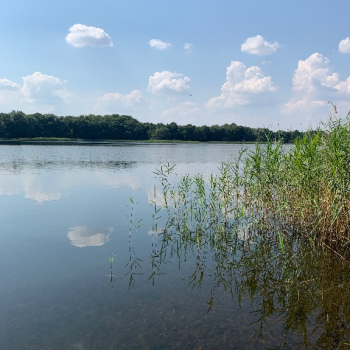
(55, 141)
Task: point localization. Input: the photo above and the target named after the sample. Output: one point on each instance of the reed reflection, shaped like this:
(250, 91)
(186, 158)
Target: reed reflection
(298, 289)
(301, 290)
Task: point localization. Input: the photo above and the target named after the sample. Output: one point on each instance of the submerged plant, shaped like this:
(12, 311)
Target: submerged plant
(134, 224)
(111, 275)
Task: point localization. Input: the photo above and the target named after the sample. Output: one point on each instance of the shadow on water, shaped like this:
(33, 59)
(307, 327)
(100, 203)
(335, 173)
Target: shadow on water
(299, 291)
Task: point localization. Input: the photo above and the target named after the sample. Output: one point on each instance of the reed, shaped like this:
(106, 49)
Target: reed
(304, 189)
(301, 189)
(272, 226)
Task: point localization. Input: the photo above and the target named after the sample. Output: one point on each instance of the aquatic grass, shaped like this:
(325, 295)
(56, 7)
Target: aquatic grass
(134, 263)
(301, 189)
(274, 227)
(111, 275)
(287, 280)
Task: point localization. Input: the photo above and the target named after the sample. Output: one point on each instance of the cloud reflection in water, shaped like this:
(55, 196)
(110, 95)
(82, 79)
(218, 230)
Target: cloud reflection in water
(82, 236)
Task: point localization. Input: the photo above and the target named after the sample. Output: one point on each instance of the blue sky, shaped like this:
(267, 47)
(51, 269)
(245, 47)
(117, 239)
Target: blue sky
(255, 63)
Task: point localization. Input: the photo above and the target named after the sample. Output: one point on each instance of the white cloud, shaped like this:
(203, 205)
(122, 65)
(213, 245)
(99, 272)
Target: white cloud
(81, 35)
(344, 45)
(6, 84)
(241, 83)
(165, 82)
(188, 47)
(314, 84)
(38, 84)
(45, 88)
(135, 97)
(182, 110)
(159, 44)
(82, 236)
(121, 103)
(64, 95)
(257, 45)
(343, 86)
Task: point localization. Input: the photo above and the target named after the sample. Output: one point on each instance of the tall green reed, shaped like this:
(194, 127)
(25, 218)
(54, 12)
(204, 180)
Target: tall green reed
(246, 227)
(290, 189)
(241, 243)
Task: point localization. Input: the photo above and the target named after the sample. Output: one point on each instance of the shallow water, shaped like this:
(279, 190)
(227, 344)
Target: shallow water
(65, 211)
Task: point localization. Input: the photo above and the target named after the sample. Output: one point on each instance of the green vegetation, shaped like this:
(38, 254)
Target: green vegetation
(273, 228)
(302, 189)
(305, 189)
(296, 292)
(17, 125)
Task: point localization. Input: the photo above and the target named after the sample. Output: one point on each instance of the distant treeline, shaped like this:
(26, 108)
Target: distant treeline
(121, 127)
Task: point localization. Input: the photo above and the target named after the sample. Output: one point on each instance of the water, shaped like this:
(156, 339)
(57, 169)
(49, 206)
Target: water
(65, 211)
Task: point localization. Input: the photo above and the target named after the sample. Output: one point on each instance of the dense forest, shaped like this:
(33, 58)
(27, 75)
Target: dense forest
(16, 124)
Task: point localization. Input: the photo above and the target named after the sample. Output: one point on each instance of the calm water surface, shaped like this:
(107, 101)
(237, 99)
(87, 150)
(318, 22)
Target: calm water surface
(65, 211)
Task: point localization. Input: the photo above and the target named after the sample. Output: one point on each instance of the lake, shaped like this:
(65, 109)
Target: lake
(78, 261)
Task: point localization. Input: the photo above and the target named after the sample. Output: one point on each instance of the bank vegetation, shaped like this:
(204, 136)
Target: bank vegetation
(18, 125)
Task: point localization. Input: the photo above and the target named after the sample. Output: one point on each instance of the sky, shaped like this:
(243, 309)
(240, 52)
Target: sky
(257, 63)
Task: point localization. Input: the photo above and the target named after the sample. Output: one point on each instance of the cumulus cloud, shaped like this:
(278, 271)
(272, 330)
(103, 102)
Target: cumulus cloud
(6, 84)
(314, 84)
(64, 95)
(168, 82)
(45, 88)
(159, 44)
(81, 35)
(188, 47)
(257, 45)
(182, 110)
(241, 83)
(344, 45)
(131, 103)
(135, 97)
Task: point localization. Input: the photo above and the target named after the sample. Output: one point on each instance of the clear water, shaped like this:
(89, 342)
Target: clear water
(65, 210)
